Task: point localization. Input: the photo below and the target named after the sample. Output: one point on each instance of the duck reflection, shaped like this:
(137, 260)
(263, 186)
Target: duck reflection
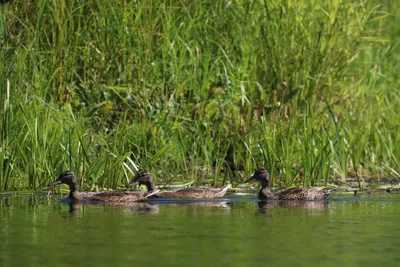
(265, 206)
(203, 204)
(191, 202)
(4, 196)
(135, 207)
(141, 207)
(74, 207)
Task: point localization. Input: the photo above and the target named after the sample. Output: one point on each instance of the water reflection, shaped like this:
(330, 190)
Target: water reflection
(193, 203)
(204, 204)
(265, 206)
(74, 208)
(143, 207)
(3, 196)
(133, 208)
(233, 231)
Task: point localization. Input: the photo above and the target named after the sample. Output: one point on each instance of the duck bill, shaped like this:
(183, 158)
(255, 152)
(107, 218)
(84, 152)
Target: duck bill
(251, 179)
(56, 182)
(132, 183)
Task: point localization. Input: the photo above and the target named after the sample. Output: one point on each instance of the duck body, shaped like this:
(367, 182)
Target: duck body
(194, 192)
(306, 193)
(183, 193)
(118, 197)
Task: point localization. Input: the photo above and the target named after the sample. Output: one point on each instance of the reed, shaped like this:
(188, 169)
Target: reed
(198, 91)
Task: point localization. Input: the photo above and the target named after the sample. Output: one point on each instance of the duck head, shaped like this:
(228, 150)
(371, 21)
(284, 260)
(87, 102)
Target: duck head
(145, 178)
(70, 179)
(67, 177)
(261, 175)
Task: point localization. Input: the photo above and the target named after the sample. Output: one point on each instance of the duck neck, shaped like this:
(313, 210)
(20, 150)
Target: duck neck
(73, 192)
(264, 184)
(150, 186)
(265, 192)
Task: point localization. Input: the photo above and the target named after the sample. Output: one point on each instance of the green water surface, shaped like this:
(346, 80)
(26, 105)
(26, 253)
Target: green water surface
(344, 231)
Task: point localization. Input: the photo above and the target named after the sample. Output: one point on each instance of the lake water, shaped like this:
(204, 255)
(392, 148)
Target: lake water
(343, 231)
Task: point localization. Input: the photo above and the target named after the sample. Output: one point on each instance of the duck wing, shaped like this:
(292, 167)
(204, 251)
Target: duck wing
(306, 193)
(119, 196)
(222, 191)
(196, 192)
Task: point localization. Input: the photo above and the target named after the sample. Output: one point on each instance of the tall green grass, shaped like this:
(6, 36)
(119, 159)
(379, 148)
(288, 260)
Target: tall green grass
(199, 91)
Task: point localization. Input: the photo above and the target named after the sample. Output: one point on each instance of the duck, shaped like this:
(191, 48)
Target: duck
(306, 193)
(145, 178)
(118, 197)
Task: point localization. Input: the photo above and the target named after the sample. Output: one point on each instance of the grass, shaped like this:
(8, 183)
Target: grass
(198, 91)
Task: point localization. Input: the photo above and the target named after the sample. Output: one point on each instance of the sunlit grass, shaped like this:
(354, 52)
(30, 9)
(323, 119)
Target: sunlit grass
(199, 91)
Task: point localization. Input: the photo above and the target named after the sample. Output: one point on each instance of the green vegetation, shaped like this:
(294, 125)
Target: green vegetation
(198, 90)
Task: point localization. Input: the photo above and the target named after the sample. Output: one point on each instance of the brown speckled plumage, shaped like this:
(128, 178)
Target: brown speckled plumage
(307, 193)
(190, 192)
(70, 179)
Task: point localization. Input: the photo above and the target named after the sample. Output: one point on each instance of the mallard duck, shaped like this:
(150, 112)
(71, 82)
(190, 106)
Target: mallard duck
(190, 192)
(307, 193)
(71, 180)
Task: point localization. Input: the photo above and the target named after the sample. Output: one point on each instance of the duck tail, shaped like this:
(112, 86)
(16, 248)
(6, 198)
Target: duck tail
(332, 189)
(153, 192)
(328, 191)
(223, 190)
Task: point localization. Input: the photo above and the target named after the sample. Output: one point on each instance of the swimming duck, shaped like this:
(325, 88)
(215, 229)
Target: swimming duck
(71, 180)
(307, 193)
(190, 192)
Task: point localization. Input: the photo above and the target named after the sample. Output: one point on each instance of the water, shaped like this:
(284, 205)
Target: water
(345, 231)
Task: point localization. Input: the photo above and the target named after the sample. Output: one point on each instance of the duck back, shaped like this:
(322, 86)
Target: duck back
(118, 196)
(196, 192)
(306, 193)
